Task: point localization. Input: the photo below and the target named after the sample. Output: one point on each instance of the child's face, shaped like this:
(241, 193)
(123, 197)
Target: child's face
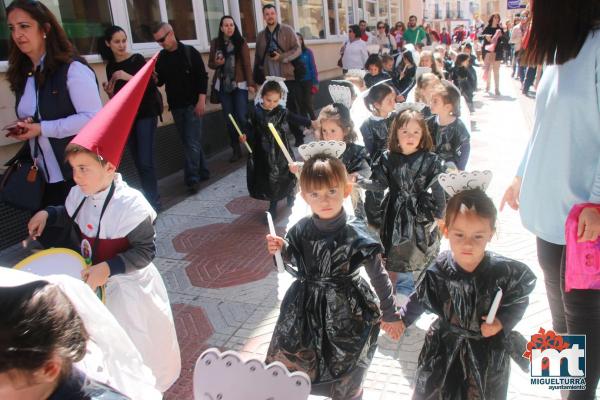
(271, 100)
(409, 137)
(387, 105)
(468, 235)
(439, 107)
(91, 176)
(426, 61)
(388, 65)
(427, 93)
(325, 202)
(373, 70)
(331, 130)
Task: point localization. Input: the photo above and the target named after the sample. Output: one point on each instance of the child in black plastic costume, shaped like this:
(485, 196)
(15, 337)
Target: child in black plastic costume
(329, 319)
(381, 101)
(463, 357)
(451, 139)
(414, 201)
(270, 178)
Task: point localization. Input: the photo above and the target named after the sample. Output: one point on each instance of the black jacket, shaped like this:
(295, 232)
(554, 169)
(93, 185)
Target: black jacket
(183, 73)
(409, 233)
(451, 142)
(456, 362)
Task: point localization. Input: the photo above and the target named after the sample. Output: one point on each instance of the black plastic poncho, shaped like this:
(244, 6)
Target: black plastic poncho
(451, 142)
(375, 134)
(268, 176)
(409, 232)
(329, 318)
(357, 161)
(456, 362)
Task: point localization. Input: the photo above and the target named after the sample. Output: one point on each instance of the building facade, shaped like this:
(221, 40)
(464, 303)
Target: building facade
(324, 24)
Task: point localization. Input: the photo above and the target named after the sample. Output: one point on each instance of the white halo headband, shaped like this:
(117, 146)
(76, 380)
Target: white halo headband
(283, 101)
(454, 183)
(341, 94)
(356, 72)
(330, 147)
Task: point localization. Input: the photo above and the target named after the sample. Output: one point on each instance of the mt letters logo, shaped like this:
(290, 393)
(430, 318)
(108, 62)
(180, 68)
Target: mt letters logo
(557, 361)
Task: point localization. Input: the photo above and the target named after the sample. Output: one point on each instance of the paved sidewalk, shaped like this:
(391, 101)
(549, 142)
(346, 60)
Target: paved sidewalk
(225, 291)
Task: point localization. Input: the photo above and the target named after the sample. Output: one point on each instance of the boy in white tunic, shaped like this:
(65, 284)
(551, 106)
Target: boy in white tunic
(117, 221)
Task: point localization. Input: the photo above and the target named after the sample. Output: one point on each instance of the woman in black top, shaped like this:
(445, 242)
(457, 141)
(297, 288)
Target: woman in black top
(492, 56)
(121, 67)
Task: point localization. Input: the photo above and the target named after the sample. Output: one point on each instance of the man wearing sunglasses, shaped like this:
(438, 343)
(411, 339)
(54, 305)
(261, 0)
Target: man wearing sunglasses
(181, 69)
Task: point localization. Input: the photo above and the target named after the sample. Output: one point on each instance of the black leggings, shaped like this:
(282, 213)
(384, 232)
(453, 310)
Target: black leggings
(576, 312)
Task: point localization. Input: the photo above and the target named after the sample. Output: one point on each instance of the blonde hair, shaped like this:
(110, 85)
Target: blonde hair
(73, 149)
(423, 82)
(341, 115)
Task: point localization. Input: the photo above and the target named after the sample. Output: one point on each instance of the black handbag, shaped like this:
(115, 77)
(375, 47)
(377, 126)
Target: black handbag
(23, 184)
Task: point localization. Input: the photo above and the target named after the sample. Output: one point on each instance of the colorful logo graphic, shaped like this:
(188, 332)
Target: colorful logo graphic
(557, 361)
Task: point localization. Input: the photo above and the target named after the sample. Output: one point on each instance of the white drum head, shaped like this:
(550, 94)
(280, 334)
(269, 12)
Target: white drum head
(57, 261)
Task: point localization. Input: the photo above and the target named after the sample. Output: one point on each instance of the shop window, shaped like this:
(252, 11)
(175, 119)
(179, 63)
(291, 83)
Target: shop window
(180, 14)
(213, 11)
(143, 15)
(83, 20)
(311, 21)
(342, 15)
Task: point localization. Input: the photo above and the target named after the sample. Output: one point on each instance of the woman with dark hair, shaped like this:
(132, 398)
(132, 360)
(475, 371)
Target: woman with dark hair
(354, 52)
(387, 43)
(56, 92)
(494, 43)
(41, 337)
(309, 84)
(121, 66)
(230, 58)
(560, 168)
(398, 34)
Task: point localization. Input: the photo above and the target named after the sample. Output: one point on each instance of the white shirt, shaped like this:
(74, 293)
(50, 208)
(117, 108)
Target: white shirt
(81, 83)
(355, 55)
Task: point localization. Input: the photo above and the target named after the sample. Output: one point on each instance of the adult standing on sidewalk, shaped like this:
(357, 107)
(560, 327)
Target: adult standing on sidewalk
(309, 85)
(386, 42)
(120, 68)
(516, 39)
(414, 34)
(56, 92)
(181, 69)
(276, 47)
(354, 52)
(561, 166)
(492, 51)
(230, 58)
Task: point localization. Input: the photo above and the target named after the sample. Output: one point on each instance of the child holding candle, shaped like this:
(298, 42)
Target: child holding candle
(329, 319)
(464, 356)
(270, 179)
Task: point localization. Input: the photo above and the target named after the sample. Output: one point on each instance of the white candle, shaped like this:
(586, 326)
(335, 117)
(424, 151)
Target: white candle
(278, 259)
(494, 308)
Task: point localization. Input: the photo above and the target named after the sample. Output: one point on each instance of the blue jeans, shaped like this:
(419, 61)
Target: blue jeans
(236, 104)
(189, 126)
(405, 283)
(141, 146)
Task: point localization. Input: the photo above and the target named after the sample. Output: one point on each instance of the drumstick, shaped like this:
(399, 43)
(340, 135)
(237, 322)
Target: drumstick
(278, 259)
(280, 143)
(237, 128)
(494, 308)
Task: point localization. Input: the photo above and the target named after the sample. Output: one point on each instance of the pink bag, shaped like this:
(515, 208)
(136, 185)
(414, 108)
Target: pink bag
(582, 258)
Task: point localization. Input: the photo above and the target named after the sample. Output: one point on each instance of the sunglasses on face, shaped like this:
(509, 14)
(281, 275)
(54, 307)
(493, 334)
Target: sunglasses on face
(380, 27)
(162, 39)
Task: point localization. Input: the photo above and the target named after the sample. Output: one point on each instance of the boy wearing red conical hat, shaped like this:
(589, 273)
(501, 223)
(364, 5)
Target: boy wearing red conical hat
(116, 222)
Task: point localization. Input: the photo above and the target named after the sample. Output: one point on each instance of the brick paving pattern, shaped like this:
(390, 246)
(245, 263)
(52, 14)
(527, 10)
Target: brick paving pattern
(225, 291)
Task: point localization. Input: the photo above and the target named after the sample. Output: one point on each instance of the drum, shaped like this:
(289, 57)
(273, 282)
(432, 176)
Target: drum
(57, 261)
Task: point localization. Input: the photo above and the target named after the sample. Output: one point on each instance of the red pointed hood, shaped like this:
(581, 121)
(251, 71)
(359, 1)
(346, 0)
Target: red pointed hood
(106, 134)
